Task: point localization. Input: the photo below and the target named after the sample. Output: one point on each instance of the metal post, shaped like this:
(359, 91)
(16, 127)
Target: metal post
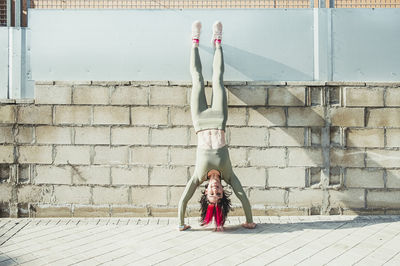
(331, 3)
(321, 3)
(8, 13)
(311, 3)
(18, 7)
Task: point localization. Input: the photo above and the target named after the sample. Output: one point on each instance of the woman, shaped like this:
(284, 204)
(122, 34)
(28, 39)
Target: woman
(212, 161)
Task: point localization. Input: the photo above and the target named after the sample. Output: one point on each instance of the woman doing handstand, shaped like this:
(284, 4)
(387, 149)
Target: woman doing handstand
(212, 158)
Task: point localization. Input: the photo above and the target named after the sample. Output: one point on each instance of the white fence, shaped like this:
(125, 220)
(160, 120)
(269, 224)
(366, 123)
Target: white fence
(268, 44)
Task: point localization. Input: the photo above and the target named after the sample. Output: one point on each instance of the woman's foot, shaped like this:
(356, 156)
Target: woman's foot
(217, 34)
(196, 28)
(184, 227)
(249, 225)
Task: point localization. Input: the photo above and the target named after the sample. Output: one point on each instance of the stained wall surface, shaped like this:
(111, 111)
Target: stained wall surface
(128, 148)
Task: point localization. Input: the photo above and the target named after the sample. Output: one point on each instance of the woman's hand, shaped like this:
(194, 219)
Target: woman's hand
(184, 227)
(249, 225)
(219, 229)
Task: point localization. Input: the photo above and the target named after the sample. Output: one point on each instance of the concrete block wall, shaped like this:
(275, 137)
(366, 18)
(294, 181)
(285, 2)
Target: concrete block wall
(128, 148)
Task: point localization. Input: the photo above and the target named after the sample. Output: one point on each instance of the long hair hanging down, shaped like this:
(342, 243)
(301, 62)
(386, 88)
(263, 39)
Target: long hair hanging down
(220, 211)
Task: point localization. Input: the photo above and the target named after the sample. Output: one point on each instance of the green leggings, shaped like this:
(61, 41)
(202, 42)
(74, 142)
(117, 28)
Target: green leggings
(211, 118)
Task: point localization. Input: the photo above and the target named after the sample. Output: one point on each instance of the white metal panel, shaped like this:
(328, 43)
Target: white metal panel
(3, 62)
(366, 44)
(155, 44)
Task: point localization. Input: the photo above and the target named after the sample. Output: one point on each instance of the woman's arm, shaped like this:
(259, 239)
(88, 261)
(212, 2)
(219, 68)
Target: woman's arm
(186, 196)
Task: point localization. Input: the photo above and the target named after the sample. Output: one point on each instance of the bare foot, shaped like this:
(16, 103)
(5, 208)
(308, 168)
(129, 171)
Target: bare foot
(249, 225)
(185, 227)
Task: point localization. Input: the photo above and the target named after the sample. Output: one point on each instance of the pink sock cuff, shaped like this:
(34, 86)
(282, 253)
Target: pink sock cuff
(195, 40)
(217, 41)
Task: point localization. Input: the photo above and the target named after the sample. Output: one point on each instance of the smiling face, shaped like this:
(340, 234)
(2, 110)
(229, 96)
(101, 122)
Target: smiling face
(214, 190)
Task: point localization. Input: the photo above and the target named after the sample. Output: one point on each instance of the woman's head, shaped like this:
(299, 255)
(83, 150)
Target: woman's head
(214, 195)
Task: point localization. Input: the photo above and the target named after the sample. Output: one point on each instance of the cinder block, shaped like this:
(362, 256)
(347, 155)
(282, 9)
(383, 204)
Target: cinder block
(33, 114)
(110, 195)
(286, 177)
(305, 198)
(35, 154)
(347, 117)
(269, 197)
(175, 193)
(6, 135)
(383, 199)
(284, 136)
(111, 115)
(130, 95)
(363, 96)
(285, 211)
(111, 155)
(287, 96)
(169, 136)
(168, 95)
(181, 116)
(6, 154)
(92, 135)
(49, 94)
(248, 136)
(392, 97)
(393, 178)
(91, 95)
(53, 135)
(91, 211)
(128, 211)
(382, 158)
(149, 115)
(364, 178)
(251, 176)
(49, 210)
(24, 134)
(50, 174)
(193, 137)
(237, 116)
(33, 193)
(267, 157)
(80, 115)
(183, 156)
(306, 116)
(163, 211)
(71, 194)
(149, 155)
(136, 175)
(384, 117)
(347, 157)
(130, 135)
(247, 95)
(72, 155)
(365, 138)
(272, 116)
(305, 157)
(393, 137)
(168, 176)
(5, 192)
(7, 114)
(143, 196)
(238, 157)
(347, 199)
(94, 175)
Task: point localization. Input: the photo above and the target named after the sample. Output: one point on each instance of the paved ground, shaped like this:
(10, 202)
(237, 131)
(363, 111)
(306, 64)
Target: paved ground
(303, 240)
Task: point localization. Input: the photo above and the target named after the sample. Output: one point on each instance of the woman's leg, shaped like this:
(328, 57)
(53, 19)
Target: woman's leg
(198, 101)
(219, 101)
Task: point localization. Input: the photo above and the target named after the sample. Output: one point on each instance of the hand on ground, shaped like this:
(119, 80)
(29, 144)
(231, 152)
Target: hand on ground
(219, 229)
(185, 227)
(249, 225)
